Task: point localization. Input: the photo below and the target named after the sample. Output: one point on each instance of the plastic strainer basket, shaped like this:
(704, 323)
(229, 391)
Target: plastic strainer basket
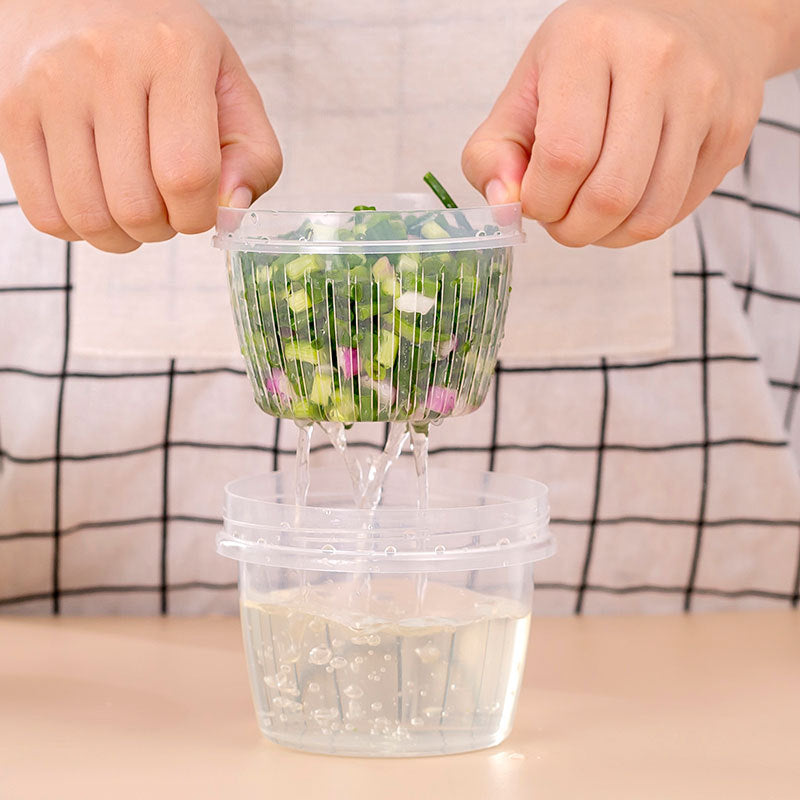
(390, 315)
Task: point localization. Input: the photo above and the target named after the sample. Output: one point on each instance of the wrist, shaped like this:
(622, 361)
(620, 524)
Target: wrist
(779, 24)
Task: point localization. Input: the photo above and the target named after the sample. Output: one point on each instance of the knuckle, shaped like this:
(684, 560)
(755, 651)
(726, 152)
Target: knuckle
(563, 156)
(611, 197)
(644, 226)
(708, 82)
(51, 222)
(188, 176)
(199, 222)
(91, 221)
(138, 212)
(46, 72)
(664, 45)
(567, 235)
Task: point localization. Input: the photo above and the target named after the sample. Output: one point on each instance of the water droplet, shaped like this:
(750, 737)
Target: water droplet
(504, 541)
(267, 723)
(349, 727)
(336, 725)
(370, 652)
(286, 668)
(439, 549)
(428, 653)
(284, 525)
(253, 216)
(325, 714)
(261, 541)
(387, 657)
(283, 718)
(359, 660)
(481, 233)
(383, 669)
(390, 550)
(376, 706)
(328, 549)
(337, 662)
(313, 687)
(337, 644)
(417, 721)
(329, 669)
(319, 655)
(301, 238)
(353, 692)
(374, 640)
(423, 693)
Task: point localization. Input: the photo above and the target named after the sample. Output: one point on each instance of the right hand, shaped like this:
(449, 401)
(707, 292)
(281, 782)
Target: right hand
(125, 122)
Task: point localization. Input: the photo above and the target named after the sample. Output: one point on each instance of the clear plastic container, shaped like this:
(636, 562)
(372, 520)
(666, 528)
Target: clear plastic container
(394, 632)
(351, 316)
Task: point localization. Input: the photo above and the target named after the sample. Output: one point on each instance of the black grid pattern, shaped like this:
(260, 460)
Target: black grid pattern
(273, 441)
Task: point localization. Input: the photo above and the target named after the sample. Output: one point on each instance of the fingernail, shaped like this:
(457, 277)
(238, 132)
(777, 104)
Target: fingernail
(241, 197)
(496, 192)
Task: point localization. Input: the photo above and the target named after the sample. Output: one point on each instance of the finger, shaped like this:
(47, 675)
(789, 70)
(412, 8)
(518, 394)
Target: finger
(619, 179)
(723, 149)
(667, 188)
(251, 155)
(28, 169)
(77, 184)
(123, 154)
(184, 143)
(496, 156)
(573, 107)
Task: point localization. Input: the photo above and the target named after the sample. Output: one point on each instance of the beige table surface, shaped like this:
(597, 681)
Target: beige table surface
(661, 707)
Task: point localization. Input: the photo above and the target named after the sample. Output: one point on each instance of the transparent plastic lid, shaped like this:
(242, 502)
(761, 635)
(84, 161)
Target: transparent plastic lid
(474, 521)
(399, 223)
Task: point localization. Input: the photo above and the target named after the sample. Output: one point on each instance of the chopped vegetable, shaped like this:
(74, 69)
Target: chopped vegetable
(394, 335)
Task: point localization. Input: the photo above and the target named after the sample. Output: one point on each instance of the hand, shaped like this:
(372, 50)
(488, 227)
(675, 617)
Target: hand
(124, 122)
(623, 115)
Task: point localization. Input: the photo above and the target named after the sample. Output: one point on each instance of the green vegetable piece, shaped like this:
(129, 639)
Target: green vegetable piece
(407, 262)
(392, 287)
(302, 410)
(382, 269)
(387, 348)
(439, 190)
(321, 389)
(299, 301)
(375, 371)
(301, 351)
(432, 230)
(303, 265)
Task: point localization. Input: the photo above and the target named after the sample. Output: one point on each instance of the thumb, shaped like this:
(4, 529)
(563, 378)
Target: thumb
(251, 155)
(497, 154)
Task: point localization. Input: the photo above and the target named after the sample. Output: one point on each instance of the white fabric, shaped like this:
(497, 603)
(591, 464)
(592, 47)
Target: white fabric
(692, 494)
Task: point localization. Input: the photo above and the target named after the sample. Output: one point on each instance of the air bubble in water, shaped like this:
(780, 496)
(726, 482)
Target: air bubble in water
(428, 653)
(353, 692)
(337, 662)
(319, 655)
